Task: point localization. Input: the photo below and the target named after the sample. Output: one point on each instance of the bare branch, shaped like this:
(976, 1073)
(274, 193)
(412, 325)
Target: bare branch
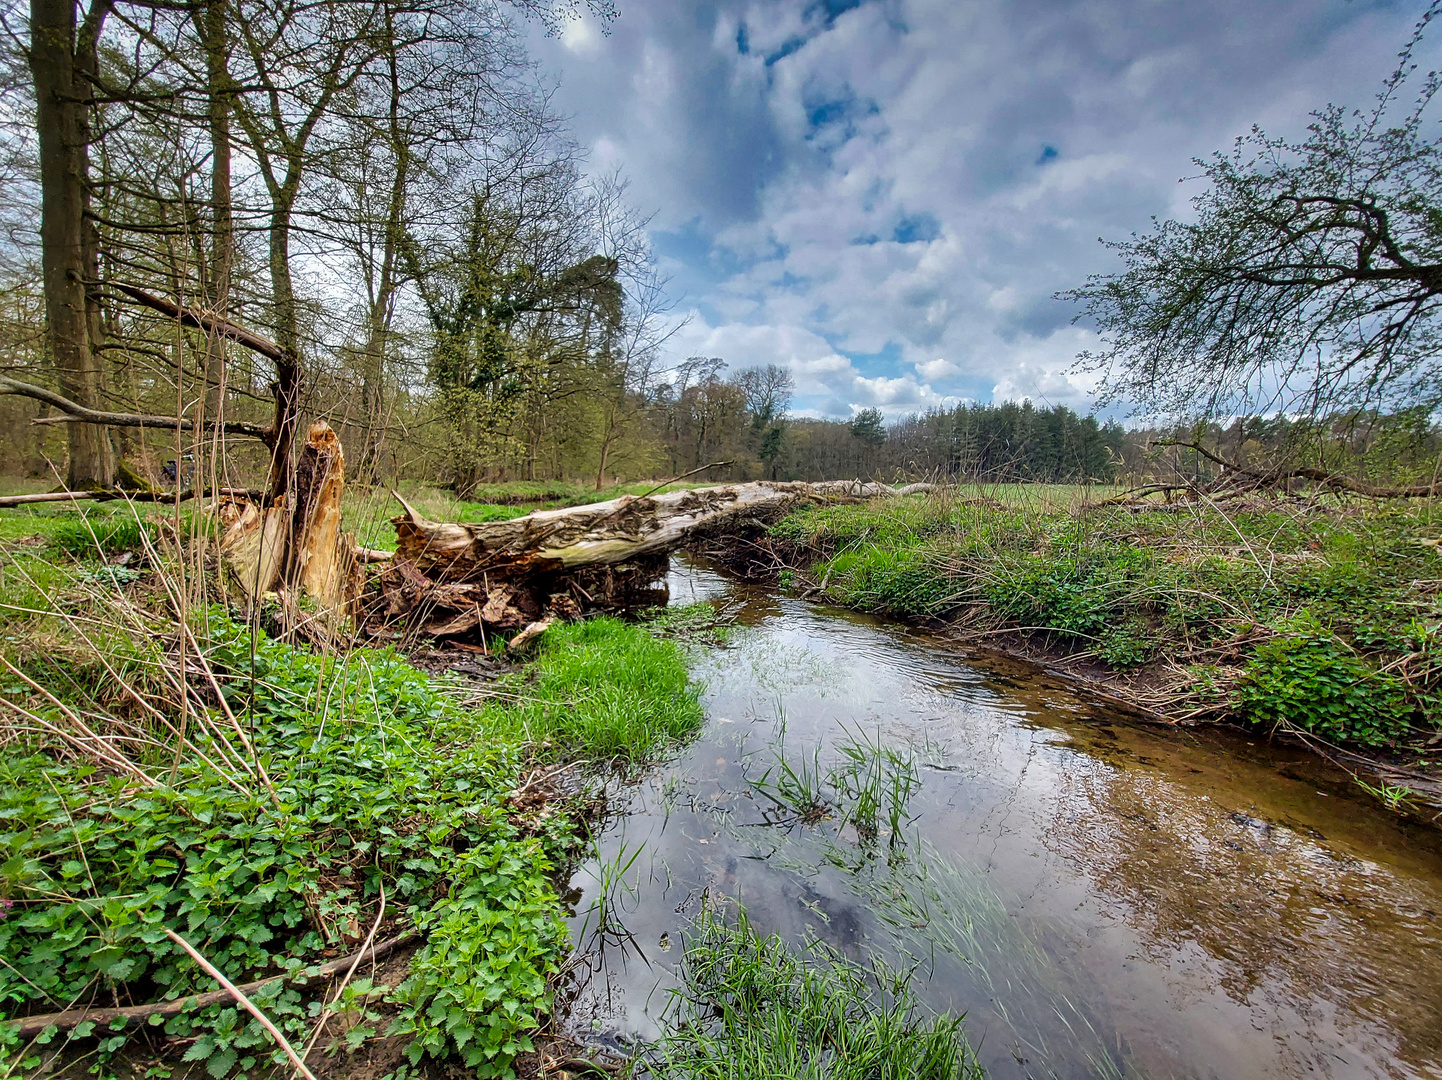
(78, 414)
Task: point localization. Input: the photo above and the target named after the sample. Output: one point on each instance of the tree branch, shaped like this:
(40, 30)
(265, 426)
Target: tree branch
(78, 414)
(211, 324)
(27, 1027)
(9, 501)
(1335, 481)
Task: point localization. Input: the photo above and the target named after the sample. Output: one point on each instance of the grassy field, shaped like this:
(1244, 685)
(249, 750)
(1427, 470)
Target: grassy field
(1322, 616)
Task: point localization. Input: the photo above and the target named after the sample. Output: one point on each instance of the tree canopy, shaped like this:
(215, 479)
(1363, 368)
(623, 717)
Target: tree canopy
(1309, 280)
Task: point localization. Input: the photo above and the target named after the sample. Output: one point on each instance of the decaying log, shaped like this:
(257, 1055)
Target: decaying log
(297, 544)
(449, 579)
(605, 532)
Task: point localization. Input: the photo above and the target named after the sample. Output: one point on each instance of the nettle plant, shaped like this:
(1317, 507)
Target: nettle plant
(379, 783)
(1310, 678)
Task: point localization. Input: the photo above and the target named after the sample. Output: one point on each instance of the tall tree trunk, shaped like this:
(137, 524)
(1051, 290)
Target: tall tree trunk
(222, 250)
(383, 303)
(69, 254)
(281, 434)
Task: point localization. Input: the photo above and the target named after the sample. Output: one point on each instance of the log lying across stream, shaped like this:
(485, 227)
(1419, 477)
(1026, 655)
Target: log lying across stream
(449, 579)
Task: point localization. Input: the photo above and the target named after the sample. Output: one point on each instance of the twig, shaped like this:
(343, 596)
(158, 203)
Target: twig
(29, 1026)
(693, 472)
(230, 988)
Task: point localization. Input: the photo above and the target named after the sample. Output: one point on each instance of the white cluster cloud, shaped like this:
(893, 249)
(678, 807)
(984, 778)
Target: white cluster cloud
(884, 196)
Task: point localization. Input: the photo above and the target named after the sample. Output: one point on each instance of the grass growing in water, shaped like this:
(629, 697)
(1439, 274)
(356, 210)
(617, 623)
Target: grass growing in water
(754, 1009)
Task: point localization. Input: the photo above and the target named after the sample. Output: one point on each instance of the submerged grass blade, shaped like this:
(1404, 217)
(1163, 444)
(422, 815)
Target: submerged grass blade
(754, 1009)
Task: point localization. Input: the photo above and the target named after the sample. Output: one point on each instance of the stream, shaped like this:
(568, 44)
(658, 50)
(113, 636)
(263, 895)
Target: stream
(1101, 898)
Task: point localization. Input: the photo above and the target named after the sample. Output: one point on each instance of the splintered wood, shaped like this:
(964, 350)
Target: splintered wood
(297, 544)
(450, 579)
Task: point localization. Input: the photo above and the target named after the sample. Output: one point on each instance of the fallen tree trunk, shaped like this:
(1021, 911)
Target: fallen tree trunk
(449, 579)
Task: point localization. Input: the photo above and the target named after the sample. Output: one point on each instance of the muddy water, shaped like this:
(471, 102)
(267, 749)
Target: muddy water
(1099, 898)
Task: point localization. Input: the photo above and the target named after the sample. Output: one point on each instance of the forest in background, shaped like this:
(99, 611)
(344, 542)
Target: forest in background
(371, 214)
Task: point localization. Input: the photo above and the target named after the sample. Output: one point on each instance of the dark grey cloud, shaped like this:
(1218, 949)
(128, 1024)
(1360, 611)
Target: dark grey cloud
(885, 195)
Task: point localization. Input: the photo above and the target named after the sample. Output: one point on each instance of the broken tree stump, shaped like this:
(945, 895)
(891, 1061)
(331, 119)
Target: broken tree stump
(458, 578)
(297, 544)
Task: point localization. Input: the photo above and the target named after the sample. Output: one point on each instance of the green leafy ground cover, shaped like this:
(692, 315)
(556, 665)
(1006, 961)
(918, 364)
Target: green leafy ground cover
(1323, 616)
(380, 784)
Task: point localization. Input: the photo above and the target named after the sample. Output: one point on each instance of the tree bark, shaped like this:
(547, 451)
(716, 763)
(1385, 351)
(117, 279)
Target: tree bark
(383, 301)
(280, 436)
(448, 579)
(62, 96)
(297, 544)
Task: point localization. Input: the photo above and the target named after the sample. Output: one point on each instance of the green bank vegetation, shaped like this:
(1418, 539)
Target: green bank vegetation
(277, 807)
(1320, 615)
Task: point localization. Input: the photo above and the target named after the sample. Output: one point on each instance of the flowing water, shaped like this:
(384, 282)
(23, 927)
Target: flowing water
(1100, 898)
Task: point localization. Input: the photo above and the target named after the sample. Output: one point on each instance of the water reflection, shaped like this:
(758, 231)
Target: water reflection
(1099, 898)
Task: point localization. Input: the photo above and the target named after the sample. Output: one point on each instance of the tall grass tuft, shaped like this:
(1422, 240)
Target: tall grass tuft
(754, 1009)
(602, 689)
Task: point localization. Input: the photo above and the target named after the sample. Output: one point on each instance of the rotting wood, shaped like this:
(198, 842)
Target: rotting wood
(297, 544)
(27, 1027)
(450, 579)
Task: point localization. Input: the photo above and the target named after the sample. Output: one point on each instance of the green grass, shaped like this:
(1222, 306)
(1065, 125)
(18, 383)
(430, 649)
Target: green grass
(755, 1009)
(1323, 617)
(601, 689)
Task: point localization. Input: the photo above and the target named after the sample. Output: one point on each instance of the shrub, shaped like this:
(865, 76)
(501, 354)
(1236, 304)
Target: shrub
(1058, 594)
(381, 782)
(478, 987)
(904, 582)
(1314, 681)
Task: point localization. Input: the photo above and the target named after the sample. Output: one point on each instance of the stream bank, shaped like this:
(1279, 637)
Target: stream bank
(1314, 620)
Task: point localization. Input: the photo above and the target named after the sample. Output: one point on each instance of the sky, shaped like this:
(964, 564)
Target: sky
(884, 196)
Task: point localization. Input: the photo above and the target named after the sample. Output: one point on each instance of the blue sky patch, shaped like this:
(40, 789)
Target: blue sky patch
(916, 229)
